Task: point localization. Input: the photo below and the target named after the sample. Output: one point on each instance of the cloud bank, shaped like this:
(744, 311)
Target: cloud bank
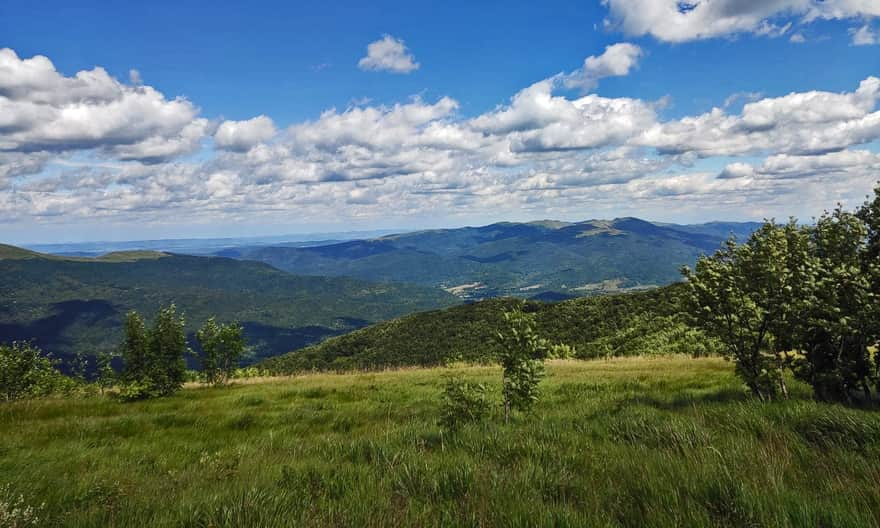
(88, 146)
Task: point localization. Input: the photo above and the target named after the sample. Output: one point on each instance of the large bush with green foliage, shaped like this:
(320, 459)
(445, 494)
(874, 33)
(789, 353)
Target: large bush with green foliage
(742, 295)
(805, 297)
(26, 373)
(153, 358)
(839, 322)
(222, 346)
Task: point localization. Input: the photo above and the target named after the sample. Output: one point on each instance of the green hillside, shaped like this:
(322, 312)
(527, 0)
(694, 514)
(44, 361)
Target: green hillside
(613, 325)
(8, 252)
(514, 259)
(69, 305)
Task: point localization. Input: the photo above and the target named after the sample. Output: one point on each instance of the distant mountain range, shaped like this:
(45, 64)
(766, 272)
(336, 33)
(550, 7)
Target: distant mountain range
(546, 260)
(68, 304)
(295, 294)
(200, 246)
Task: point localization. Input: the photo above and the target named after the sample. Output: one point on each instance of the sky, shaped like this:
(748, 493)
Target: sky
(144, 120)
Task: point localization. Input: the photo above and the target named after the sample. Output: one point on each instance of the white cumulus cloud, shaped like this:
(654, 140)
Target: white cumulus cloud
(388, 54)
(616, 61)
(798, 123)
(681, 21)
(43, 110)
(244, 135)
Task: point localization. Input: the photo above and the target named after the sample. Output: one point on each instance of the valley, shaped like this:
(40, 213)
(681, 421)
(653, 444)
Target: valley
(291, 296)
(70, 305)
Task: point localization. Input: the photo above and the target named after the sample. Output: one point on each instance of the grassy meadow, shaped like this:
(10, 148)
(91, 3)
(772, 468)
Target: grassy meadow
(624, 442)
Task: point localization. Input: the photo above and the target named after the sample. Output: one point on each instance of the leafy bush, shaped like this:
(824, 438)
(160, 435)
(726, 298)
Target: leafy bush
(136, 390)
(562, 351)
(522, 354)
(106, 375)
(154, 364)
(745, 294)
(26, 373)
(805, 297)
(222, 346)
(250, 372)
(840, 319)
(463, 402)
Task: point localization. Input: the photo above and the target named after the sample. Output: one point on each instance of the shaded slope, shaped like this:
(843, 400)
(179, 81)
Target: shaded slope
(77, 304)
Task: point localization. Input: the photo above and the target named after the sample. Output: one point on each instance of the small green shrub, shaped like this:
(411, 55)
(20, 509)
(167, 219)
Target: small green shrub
(135, 390)
(463, 402)
(562, 351)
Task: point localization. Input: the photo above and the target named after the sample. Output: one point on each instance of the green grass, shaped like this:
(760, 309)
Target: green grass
(623, 442)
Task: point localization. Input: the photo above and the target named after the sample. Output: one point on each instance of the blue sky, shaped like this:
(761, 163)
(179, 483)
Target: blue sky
(148, 158)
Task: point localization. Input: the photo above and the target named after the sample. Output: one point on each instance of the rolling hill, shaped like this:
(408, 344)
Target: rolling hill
(69, 305)
(637, 323)
(546, 259)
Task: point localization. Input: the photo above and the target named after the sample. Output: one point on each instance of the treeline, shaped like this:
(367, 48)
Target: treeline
(151, 359)
(798, 298)
(640, 323)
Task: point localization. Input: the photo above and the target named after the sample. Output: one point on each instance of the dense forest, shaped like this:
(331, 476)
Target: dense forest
(649, 323)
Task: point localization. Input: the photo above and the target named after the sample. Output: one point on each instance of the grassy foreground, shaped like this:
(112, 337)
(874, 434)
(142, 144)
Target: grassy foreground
(624, 442)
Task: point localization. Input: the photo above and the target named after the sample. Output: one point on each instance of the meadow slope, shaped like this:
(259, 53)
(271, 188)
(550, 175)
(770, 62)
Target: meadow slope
(624, 442)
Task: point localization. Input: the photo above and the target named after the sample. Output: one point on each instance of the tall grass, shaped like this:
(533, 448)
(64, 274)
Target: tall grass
(627, 442)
